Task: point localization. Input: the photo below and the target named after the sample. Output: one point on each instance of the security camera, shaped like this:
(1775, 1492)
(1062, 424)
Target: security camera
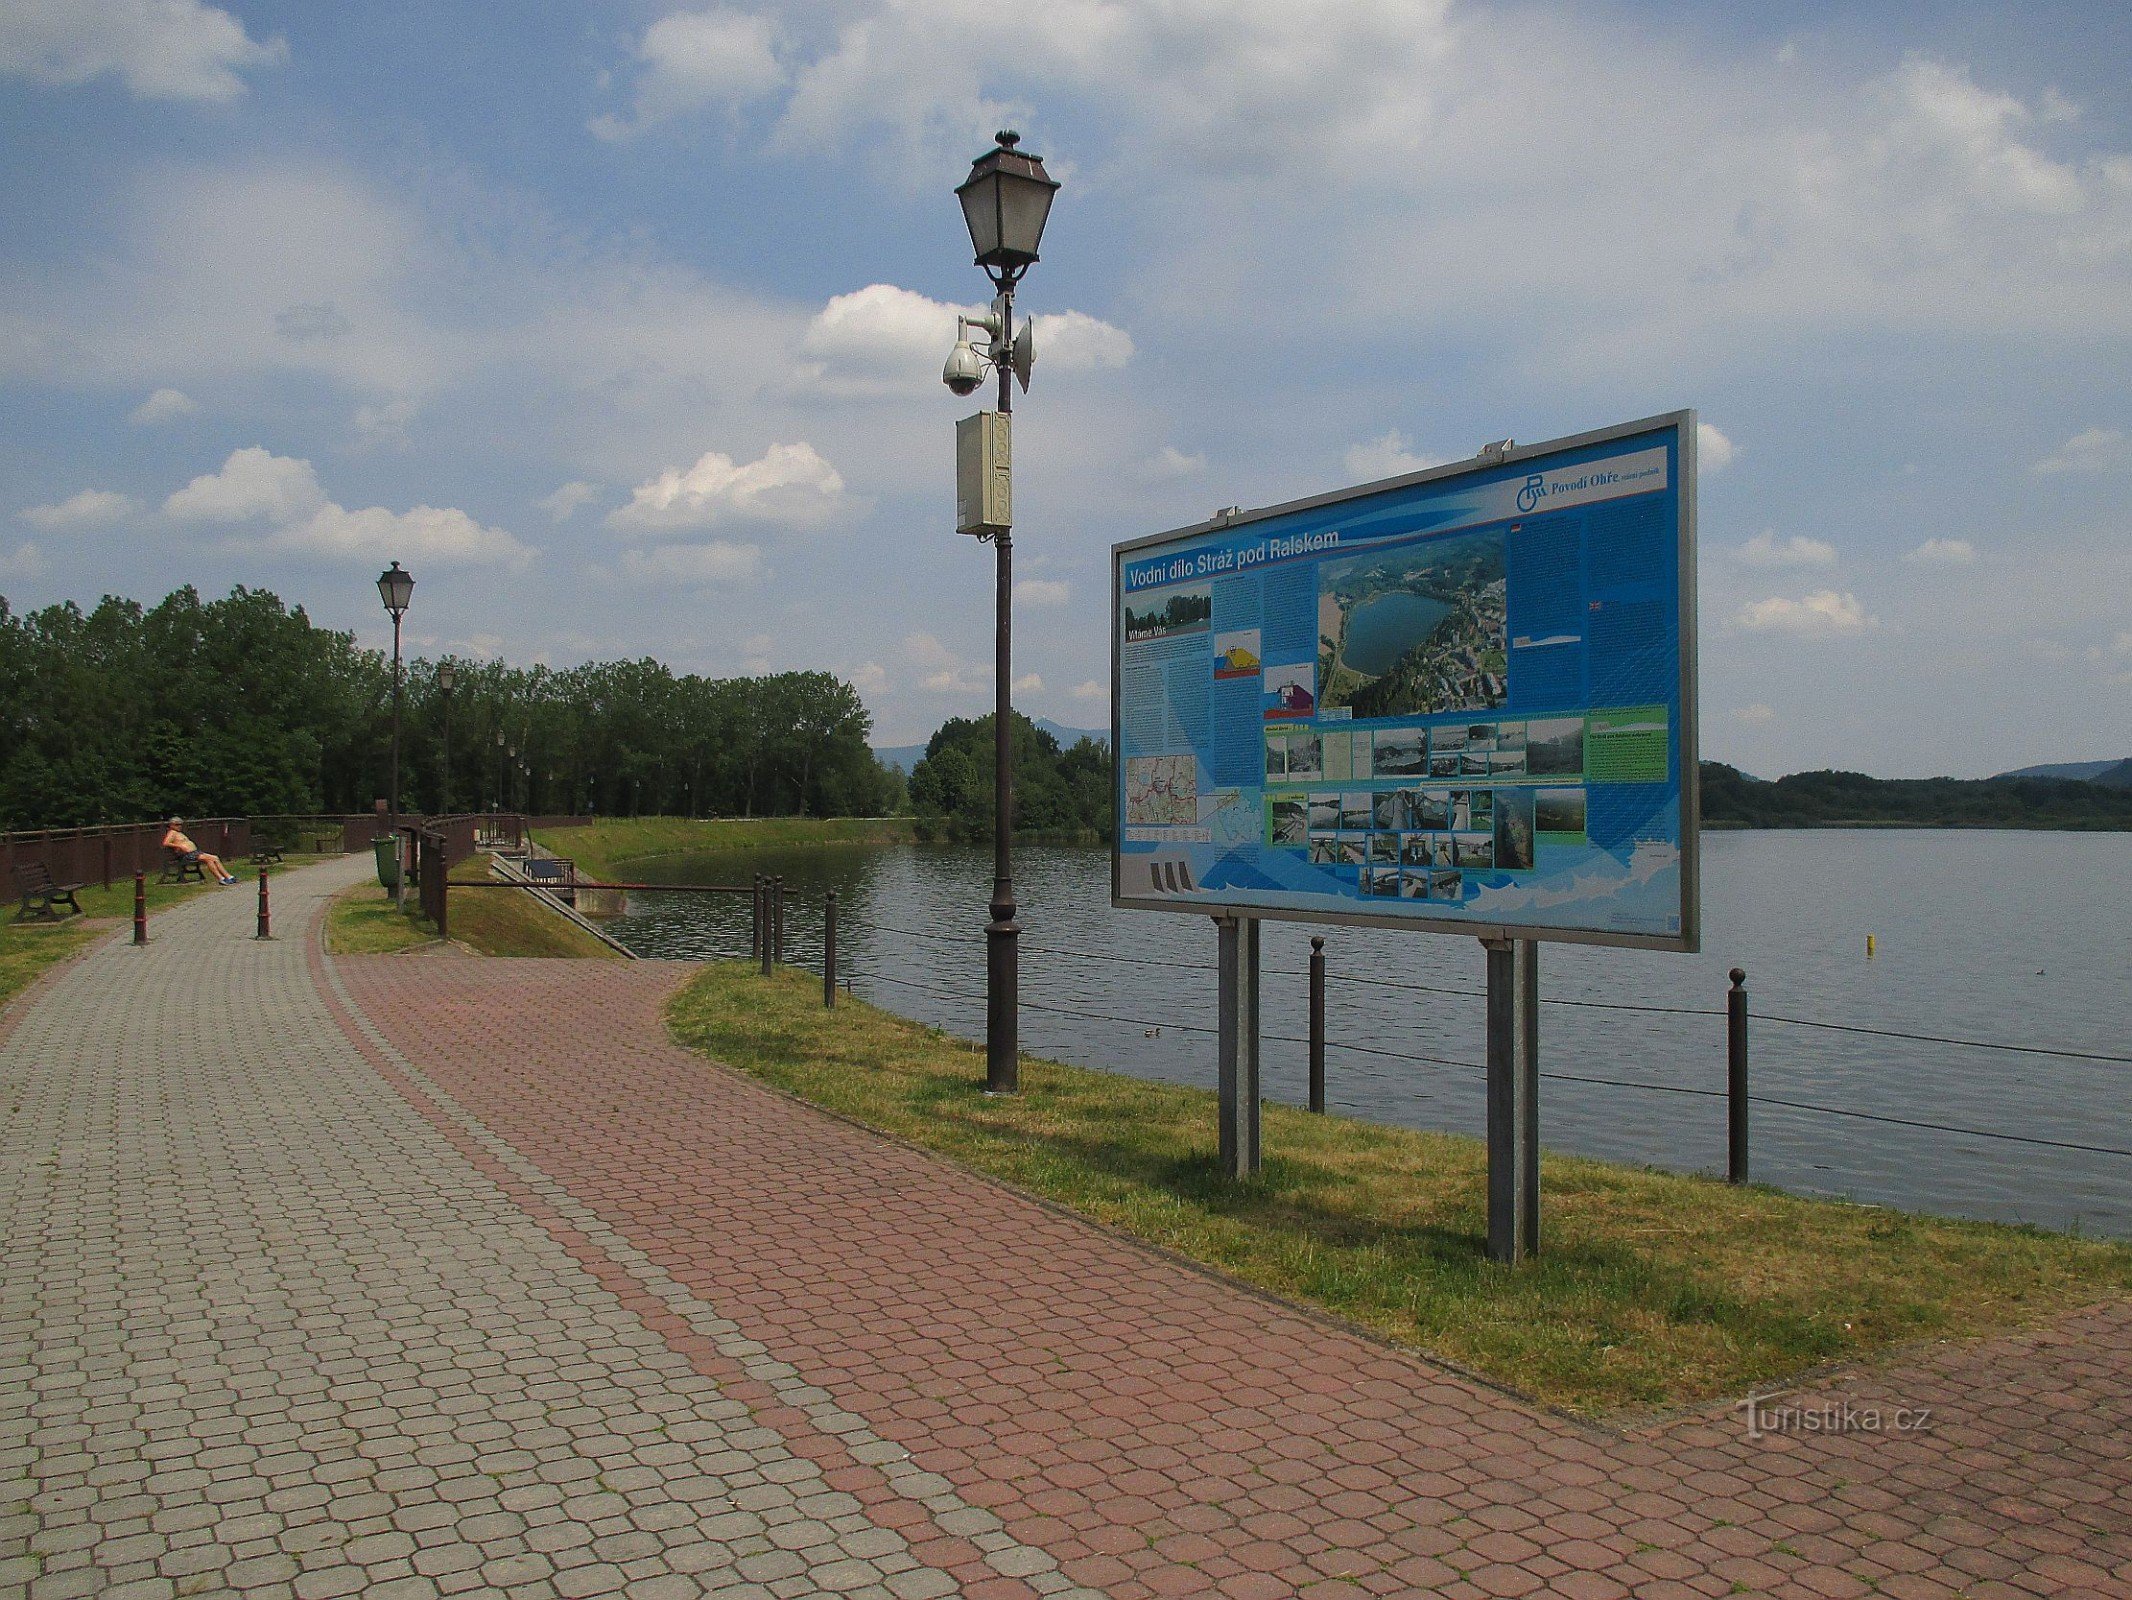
(965, 369)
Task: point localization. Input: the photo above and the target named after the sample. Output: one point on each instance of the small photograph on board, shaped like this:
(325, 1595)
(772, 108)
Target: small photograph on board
(1389, 811)
(1402, 752)
(1324, 850)
(1292, 689)
(1483, 808)
(1354, 850)
(1480, 735)
(1447, 886)
(1514, 830)
(1384, 881)
(1431, 808)
(1236, 655)
(1305, 754)
(1461, 809)
(1187, 609)
(1287, 820)
(1440, 851)
(1446, 745)
(1554, 746)
(1510, 736)
(1506, 763)
(1384, 849)
(1413, 884)
(1473, 849)
(1324, 813)
(1473, 761)
(1559, 812)
(1414, 850)
(1357, 812)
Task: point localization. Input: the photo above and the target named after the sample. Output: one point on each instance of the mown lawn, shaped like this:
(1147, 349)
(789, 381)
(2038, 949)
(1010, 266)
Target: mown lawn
(1653, 1289)
(493, 922)
(604, 849)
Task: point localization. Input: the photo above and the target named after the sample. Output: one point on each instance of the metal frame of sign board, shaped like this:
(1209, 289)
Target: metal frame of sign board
(1689, 939)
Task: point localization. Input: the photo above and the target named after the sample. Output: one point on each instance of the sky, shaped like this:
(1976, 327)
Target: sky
(621, 325)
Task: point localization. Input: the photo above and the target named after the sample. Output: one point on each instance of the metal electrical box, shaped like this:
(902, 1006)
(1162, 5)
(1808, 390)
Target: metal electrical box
(984, 474)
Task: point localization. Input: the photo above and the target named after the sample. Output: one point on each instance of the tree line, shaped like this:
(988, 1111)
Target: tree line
(1059, 793)
(242, 706)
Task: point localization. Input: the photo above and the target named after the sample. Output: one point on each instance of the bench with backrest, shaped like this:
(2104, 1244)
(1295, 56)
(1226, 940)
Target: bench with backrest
(42, 894)
(266, 855)
(176, 869)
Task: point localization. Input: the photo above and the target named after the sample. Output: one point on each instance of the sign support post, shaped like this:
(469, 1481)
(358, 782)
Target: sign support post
(1237, 1043)
(1513, 1099)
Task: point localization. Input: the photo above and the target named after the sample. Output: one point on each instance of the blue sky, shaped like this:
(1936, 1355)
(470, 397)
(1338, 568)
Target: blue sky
(621, 324)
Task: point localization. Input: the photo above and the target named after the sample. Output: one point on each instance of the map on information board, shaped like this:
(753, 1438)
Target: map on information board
(1462, 699)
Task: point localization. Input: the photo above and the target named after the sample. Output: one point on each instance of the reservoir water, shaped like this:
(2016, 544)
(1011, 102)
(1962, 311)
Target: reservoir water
(1386, 626)
(2017, 938)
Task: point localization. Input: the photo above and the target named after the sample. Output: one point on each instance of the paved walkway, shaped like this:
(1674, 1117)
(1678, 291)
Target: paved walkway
(404, 1276)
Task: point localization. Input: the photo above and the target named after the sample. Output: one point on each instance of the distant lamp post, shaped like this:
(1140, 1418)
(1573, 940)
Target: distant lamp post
(446, 678)
(499, 769)
(396, 587)
(1006, 201)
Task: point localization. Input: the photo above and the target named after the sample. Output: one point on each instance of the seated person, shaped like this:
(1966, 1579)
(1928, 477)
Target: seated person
(184, 849)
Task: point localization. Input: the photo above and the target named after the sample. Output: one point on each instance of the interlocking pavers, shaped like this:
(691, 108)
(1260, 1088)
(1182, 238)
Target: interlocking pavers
(265, 1331)
(1157, 1431)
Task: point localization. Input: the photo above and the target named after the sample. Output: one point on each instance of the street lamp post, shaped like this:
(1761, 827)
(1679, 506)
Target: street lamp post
(499, 770)
(1006, 201)
(396, 587)
(446, 677)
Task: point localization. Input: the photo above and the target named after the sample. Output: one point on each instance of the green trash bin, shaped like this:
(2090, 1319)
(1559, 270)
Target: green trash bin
(388, 861)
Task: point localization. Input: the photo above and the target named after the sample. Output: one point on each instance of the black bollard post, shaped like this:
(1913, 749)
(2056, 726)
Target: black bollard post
(1317, 1026)
(265, 922)
(777, 920)
(1736, 1077)
(829, 951)
(140, 906)
(762, 922)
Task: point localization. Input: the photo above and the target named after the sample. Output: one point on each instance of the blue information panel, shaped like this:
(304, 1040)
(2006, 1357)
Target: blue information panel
(1461, 700)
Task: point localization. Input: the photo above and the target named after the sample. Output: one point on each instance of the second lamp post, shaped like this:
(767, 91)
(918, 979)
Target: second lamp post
(396, 588)
(1005, 201)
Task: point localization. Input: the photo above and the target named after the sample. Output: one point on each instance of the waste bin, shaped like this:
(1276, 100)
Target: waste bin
(388, 861)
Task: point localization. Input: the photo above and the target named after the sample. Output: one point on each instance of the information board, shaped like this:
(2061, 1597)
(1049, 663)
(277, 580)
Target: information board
(1461, 700)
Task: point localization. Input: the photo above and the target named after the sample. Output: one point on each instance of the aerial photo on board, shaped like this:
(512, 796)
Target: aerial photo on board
(1414, 629)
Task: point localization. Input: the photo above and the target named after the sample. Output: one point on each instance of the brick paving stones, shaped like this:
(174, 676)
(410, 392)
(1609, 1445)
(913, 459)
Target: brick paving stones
(440, 1275)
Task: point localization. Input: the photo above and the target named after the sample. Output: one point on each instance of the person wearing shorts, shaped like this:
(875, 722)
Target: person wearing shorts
(176, 841)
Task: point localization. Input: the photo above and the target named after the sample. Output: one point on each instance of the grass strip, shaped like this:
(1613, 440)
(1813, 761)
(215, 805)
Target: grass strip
(604, 849)
(492, 922)
(1653, 1289)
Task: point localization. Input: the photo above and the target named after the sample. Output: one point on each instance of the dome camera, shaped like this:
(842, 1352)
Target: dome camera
(965, 369)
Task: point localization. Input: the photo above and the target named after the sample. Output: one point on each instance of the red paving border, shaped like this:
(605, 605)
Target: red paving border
(1162, 1432)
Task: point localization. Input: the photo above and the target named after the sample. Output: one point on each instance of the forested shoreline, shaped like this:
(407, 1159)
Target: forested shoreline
(243, 706)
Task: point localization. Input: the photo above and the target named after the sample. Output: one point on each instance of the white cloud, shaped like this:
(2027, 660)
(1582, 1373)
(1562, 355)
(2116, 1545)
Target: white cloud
(693, 59)
(165, 405)
(283, 493)
(2090, 450)
(92, 508)
(1713, 451)
(1763, 550)
(25, 561)
(1030, 683)
(790, 486)
(1822, 612)
(699, 566)
(1169, 464)
(1092, 689)
(882, 339)
(1041, 591)
(868, 677)
(385, 425)
(160, 49)
(563, 504)
(1943, 553)
(1391, 456)
(1754, 715)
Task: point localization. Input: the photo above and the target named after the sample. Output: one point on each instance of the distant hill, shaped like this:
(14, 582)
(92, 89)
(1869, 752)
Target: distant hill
(1851, 799)
(2064, 769)
(904, 757)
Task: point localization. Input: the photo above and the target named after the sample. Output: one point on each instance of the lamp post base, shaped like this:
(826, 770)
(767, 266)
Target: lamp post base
(1002, 1001)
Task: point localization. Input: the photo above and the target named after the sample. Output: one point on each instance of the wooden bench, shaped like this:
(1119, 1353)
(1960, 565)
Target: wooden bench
(42, 894)
(176, 869)
(266, 855)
